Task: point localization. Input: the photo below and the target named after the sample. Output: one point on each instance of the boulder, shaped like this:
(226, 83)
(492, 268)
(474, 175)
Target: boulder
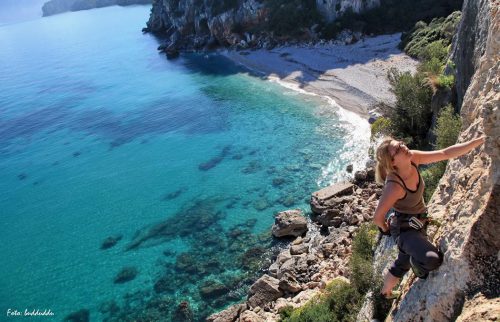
(289, 223)
(331, 217)
(264, 290)
(289, 284)
(360, 175)
(320, 199)
(229, 314)
(250, 316)
(299, 249)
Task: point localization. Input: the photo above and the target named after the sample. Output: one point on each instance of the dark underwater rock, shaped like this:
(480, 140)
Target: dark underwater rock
(111, 241)
(174, 194)
(212, 289)
(215, 160)
(196, 217)
(183, 313)
(82, 315)
(125, 275)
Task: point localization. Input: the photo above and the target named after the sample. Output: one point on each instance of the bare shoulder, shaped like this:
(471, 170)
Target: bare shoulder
(394, 187)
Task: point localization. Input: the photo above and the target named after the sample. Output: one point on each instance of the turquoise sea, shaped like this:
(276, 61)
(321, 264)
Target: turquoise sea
(182, 163)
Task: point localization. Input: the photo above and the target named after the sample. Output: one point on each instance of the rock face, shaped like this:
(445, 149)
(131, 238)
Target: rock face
(53, 7)
(467, 201)
(203, 24)
(193, 24)
(469, 43)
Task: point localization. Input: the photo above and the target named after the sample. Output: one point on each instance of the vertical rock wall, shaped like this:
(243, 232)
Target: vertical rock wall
(469, 42)
(467, 201)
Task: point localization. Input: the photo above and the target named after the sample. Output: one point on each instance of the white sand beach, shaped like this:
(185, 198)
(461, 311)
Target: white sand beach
(355, 76)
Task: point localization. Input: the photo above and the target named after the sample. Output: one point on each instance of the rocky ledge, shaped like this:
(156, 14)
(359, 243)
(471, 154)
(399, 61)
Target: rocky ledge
(319, 253)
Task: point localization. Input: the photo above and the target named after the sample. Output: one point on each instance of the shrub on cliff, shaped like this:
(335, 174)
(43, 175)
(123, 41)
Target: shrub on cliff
(416, 42)
(381, 127)
(362, 258)
(338, 303)
(447, 130)
(411, 117)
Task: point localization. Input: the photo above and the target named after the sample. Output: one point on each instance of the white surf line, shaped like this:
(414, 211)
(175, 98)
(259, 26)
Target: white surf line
(357, 142)
(359, 131)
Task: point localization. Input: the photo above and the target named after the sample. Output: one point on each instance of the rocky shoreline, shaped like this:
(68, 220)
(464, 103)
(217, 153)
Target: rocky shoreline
(319, 253)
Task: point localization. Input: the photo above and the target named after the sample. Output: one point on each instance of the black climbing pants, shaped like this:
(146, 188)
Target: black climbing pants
(412, 243)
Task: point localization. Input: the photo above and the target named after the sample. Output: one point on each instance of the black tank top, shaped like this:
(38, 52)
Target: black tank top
(413, 201)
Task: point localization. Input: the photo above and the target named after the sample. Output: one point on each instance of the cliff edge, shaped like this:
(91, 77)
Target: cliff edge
(466, 204)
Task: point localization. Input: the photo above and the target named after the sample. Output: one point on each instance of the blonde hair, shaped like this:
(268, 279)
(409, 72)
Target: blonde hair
(384, 161)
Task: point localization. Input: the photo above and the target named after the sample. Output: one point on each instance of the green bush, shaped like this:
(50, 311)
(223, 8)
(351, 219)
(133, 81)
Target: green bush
(448, 127)
(411, 116)
(435, 50)
(435, 36)
(338, 303)
(444, 81)
(382, 126)
(362, 258)
(431, 176)
(431, 68)
(447, 130)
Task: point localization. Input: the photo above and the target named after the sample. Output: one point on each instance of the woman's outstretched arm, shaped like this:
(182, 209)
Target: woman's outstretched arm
(425, 157)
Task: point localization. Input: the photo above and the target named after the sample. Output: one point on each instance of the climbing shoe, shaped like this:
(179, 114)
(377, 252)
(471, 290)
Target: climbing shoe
(419, 272)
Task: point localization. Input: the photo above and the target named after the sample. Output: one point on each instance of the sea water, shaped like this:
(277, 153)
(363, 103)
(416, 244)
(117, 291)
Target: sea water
(182, 163)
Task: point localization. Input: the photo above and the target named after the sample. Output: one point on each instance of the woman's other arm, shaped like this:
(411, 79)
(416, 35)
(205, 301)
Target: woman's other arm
(392, 192)
(425, 157)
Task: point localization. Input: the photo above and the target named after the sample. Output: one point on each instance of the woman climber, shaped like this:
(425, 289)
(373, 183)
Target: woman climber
(401, 211)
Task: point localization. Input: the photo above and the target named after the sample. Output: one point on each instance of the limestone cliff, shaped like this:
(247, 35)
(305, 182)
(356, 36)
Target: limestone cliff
(470, 41)
(197, 24)
(194, 23)
(467, 201)
(53, 7)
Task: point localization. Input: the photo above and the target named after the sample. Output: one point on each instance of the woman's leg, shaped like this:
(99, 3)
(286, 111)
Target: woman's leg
(424, 255)
(398, 269)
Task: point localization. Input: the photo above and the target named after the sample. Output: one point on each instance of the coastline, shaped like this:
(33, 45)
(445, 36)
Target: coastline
(353, 76)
